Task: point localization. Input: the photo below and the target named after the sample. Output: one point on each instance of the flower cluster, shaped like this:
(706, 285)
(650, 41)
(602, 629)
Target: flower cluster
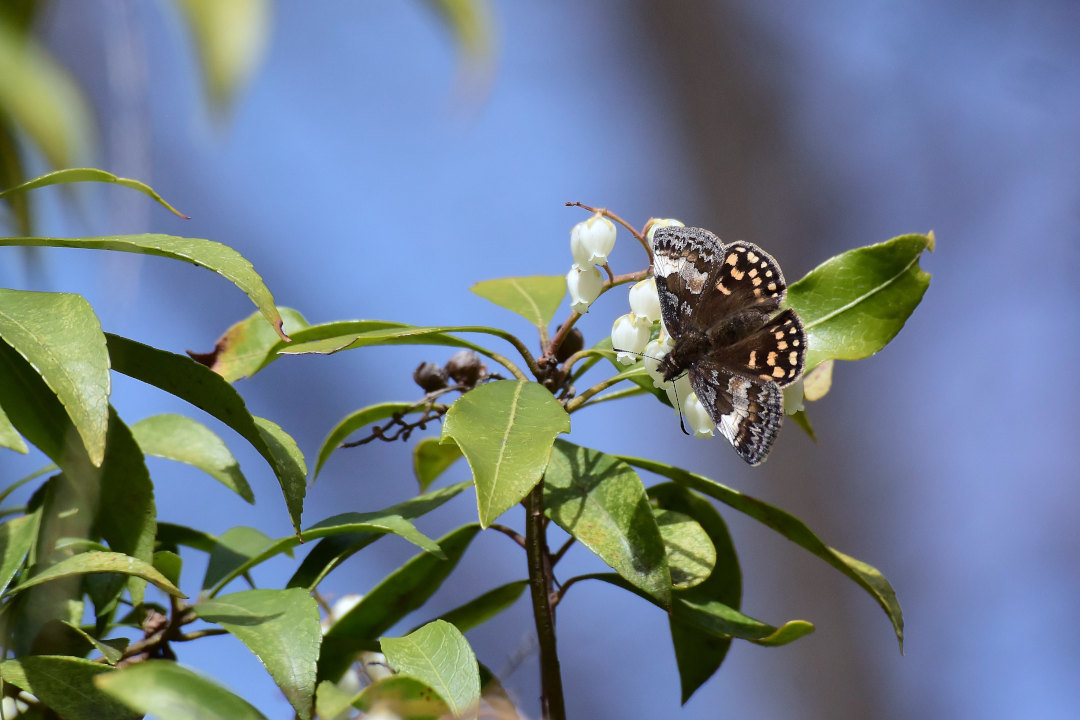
(590, 243)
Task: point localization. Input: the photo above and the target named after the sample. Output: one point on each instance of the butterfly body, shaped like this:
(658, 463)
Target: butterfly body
(719, 304)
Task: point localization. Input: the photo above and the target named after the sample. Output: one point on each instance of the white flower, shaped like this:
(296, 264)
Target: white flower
(644, 300)
(697, 416)
(584, 287)
(374, 665)
(629, 336)
(340, 608)
(591, 241)
(654, 352)
(678, 391)
(659, 223)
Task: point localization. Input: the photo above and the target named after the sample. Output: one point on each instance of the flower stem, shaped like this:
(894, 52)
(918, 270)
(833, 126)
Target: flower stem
(552, 703)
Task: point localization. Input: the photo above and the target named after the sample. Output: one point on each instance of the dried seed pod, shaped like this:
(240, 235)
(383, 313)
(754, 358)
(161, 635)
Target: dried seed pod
(430, 377)
(465, 368)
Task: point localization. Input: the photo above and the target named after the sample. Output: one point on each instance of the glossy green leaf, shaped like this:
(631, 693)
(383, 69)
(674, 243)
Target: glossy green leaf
(230, 38)
(59, 335)
(699, 655)
(601, 502)
(234, 552)
(439, 656)
(853, 304)
(172, 536)
(866, 576)
(818, 382)
(505, 430)
(211, 255)
(9, 436)
(67, 685)
(117, 497)
(404, 697)
(330, 700)
(535, 298)
(42, 100)
(111, 650)
(331, 551)
(243, 349)
(431, 459)
(401, 592)
(481, 609)
(99, 562)
(346, 524)
(172, 692)
(74, 175)
(16, 536)
(179, 438)
(282, 628)
(353, 422)
(330, 338)
(169, 564)
(690, 553)
(205, 389)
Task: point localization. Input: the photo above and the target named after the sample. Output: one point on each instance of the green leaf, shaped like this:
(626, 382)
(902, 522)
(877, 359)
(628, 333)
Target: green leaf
(439, 656)
(347, 524)
(335, 549)
(67, 685)
(230, 38)
(690, 553)
(853, 304)
(505, 430)
(213, 256)
(535, 298)
(353, 422)
(208, 391)
(182, 439)
(818, 382)
(697, 654)
(9, 436)
(431, 459)
(481, 609)
(601, 502)
(99, 562)
(59, 335)
(169, 564)
(330, 338)
(401, 592)
(42, 99)
(111, 650)
(74, 175)
(172, 692)
(118, 495)
(866, 576)
(282, 628)
(16, 536)
(719, 620)
(244, 347)
(403, 697)
(233, 554)
(330, 700)
(171, 536)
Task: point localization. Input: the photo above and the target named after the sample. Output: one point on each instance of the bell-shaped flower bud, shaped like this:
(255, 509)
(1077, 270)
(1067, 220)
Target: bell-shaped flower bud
(584, 287)
(654, 352)
(591, 241)
(678, 391)
(629, 335)
(655, 223)
(697, 416)
(644, 300)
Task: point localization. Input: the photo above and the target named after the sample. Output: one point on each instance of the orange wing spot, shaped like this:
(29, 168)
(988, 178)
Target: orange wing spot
(771, 359)
(793, 358)
(721, 288)
(794, 343)
(757, 292)
(793, 330)
(753, 358)
(764, 264)
(737, 273)
(757, 281)
(772, 287)
(782, 345)
(778, 372)
(753, 272)
(732, 259)
(751, 257)
(779, 335)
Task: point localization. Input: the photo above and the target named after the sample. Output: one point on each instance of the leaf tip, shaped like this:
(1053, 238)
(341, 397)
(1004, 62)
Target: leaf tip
(930, 241)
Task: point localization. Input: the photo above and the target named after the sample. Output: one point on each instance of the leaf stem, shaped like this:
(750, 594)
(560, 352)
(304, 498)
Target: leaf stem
(552, 702)
(599, 387)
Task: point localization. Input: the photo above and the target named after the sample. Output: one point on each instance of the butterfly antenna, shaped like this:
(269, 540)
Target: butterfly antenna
(678, 407)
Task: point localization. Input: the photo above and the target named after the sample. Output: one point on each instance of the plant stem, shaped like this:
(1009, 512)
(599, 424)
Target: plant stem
(552, 704)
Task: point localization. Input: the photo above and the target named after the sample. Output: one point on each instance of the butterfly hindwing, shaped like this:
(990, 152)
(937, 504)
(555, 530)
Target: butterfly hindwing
(776, 351)
(746, 410)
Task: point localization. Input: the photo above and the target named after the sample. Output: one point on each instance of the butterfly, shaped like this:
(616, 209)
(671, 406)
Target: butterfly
(719, 304)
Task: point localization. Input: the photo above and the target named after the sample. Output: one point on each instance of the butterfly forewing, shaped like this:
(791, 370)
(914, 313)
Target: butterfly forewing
(717, 302)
